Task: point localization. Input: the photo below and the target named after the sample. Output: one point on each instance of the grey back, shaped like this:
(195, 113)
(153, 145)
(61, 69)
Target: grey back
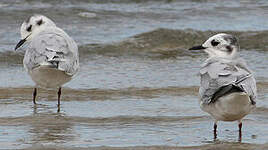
(217, 73)
(54, 48)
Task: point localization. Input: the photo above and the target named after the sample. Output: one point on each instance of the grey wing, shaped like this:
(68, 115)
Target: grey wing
(218, 78)
(248, 84)
(55, 50)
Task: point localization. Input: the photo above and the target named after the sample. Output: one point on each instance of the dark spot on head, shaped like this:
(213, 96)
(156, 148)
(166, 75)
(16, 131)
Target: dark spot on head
(39, 22)
(229, 49)
(232, 39)
(214, 43)
(55, 57)
(29, 29)
(59, 53)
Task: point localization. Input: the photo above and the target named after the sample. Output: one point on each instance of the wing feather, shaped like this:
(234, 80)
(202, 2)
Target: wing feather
(217, 75)
(53, 48)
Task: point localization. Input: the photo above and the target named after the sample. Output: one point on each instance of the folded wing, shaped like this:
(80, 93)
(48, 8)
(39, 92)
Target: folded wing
(219, 78)
(55, 49)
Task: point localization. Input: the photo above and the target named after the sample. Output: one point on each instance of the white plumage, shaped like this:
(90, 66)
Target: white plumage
(51, 57)
(228, 89)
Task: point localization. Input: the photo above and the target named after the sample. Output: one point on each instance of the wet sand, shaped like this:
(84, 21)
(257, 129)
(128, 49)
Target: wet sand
(99, 119)
(216, 146)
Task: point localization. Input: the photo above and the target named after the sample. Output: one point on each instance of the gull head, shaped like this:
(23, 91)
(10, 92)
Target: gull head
(220, 45)
(32, 27)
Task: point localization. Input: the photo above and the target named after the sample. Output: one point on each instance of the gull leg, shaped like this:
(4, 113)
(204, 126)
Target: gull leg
(59, 94)
(34, 95)
(240, 130)
(215, 130)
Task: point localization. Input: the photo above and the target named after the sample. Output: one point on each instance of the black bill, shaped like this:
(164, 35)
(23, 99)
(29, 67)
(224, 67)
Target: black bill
(21, 42)
(200, 47)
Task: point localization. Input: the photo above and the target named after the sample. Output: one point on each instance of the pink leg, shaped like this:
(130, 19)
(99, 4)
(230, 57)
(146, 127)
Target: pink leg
(34, 95)
(240, 131)
(215, 130)
(59, 94)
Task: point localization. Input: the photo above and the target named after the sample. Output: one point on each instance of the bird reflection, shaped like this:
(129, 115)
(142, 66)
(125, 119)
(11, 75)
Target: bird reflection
(50, 127)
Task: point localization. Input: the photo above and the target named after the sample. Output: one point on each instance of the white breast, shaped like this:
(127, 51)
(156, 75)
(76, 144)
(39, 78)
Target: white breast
(231, 107)
(47, 77)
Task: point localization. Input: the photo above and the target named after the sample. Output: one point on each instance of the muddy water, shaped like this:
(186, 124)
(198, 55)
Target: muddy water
(138, 85)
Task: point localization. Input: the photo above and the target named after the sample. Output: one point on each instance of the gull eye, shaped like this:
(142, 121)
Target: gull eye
(29, 28)
(39, 22)
(214, 43)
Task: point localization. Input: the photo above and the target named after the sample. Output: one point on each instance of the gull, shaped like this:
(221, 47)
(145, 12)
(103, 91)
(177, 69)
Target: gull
(51, 57)
(228, 88)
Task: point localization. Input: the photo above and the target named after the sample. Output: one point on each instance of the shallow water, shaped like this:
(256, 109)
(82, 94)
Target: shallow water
(138, 85)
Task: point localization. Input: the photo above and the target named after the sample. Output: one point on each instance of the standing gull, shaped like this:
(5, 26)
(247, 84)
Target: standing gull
(228, 89)
(51, 57)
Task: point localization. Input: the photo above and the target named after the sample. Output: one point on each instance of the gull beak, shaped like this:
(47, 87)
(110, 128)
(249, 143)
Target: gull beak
(21, 42)
(199, 47)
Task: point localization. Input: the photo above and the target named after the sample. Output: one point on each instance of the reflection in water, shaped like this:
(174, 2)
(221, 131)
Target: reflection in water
(49, 127)
(216, 140)
(137, 118)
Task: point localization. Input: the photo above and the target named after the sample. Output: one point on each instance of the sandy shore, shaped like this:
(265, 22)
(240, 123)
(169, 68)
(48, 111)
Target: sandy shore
(216, 146)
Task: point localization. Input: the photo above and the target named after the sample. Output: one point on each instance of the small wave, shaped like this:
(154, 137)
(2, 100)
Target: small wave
(167, 43)
(87, 14)
(110, 1)
(160, 43)
(25, 93)
(3, 5)
(24, 120)
(11, 57)
(262, 87)
(261, 110)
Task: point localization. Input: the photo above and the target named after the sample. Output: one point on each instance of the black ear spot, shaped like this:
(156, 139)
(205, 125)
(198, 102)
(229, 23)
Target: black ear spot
(214, 43)
(29, 29)
(39, 22)
(229, 49)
